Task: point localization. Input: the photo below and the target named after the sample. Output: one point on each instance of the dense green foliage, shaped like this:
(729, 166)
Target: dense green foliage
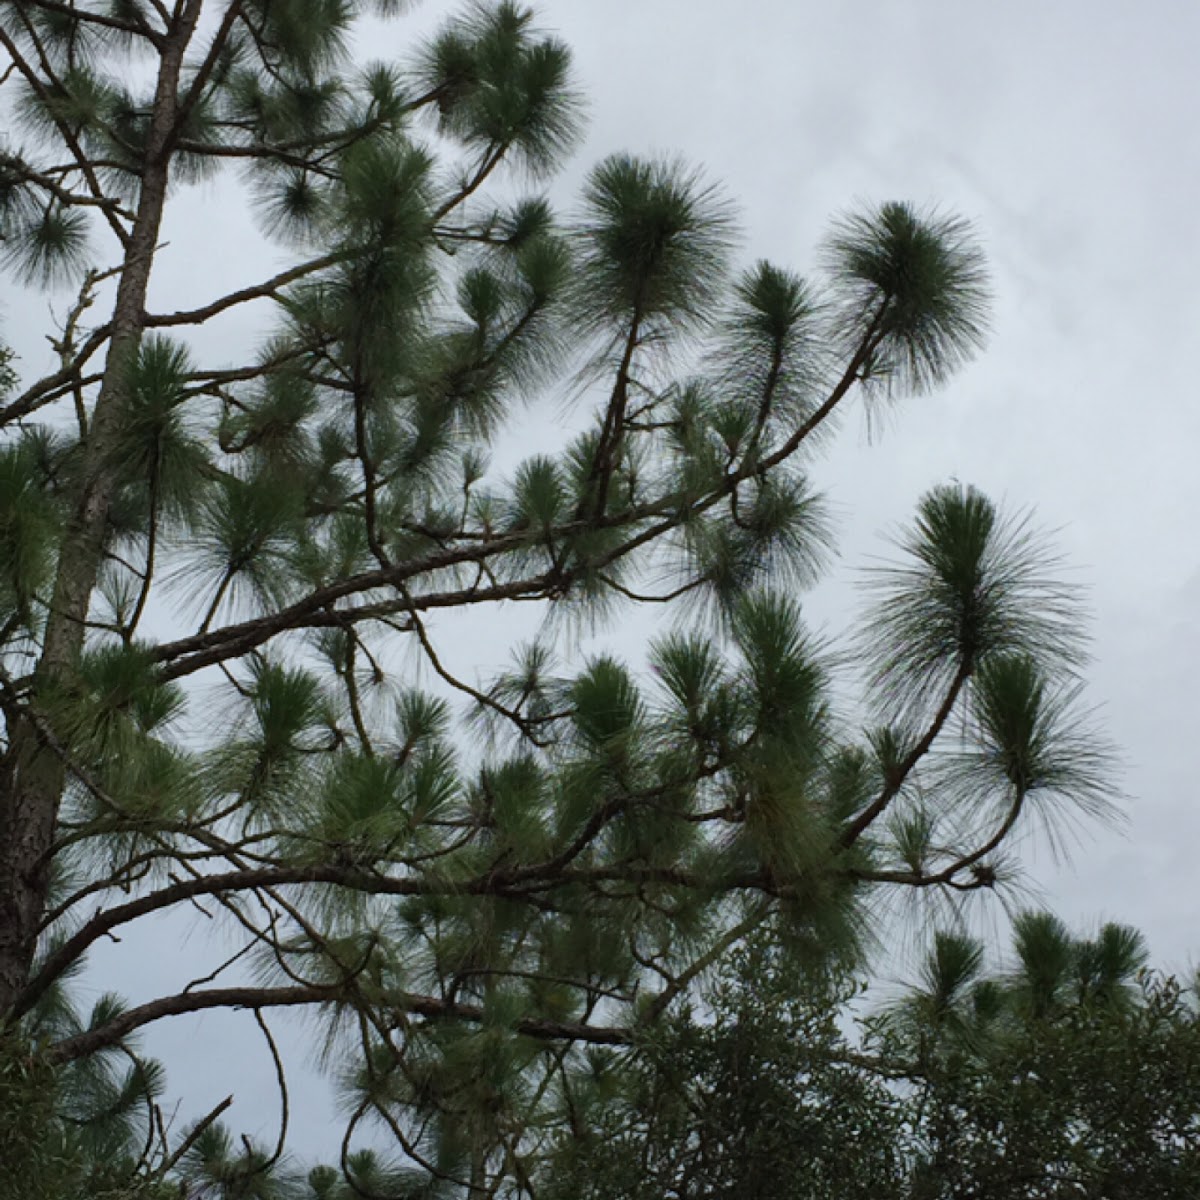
(1077, 1074)
(1074, 1074)
(754, 1093)
(231, 594)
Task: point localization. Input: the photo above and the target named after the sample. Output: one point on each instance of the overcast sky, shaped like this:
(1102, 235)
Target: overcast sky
(1066, 131)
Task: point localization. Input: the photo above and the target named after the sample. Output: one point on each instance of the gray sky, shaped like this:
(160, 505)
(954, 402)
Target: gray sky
(1065, 131)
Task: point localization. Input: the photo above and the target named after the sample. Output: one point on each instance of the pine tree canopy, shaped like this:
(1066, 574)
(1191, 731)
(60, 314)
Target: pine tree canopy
(227, 587)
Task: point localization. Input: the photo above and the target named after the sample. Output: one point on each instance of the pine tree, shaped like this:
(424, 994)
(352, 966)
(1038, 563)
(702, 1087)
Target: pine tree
(473, 908)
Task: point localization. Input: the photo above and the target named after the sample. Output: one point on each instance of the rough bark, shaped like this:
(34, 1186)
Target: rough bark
(32, 776)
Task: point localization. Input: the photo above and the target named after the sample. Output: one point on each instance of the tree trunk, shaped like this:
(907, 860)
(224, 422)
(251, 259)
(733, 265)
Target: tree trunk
(32, 776)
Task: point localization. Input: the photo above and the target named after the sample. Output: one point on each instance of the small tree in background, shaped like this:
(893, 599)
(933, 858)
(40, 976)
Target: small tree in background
(472, 917)
(1075, 1074)
(756, 1093)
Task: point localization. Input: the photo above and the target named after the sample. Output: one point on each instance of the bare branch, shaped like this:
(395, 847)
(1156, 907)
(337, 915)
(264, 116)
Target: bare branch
(268, 289)
(51, 387)
(431, 1008)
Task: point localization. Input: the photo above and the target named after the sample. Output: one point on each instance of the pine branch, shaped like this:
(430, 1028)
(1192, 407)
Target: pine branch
(480, 698)
(317, 611)
(110, 1033)
(677, 985)
(514, 883)
(187, 104)
(61, 383)
(490, 161)
(268, 289)
(192, 654)
(851, 375)
(900, 775)
(608, 448)
(101, 20)
(71, 199)
(82, 162)
(194, 1134)
(947, 876)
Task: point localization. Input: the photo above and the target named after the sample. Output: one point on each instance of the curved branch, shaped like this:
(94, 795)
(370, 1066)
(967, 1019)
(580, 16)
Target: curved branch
(900, 775)
(50, 387)
(481, 698)
(192, 654)
(268, 289)
(133, 28)
(281, 1080)
(82, 162)
(518, 883)
(698, 966)
(108, 1034)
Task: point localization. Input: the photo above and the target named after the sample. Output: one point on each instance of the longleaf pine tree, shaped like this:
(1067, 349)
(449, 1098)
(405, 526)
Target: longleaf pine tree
(484, 886)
